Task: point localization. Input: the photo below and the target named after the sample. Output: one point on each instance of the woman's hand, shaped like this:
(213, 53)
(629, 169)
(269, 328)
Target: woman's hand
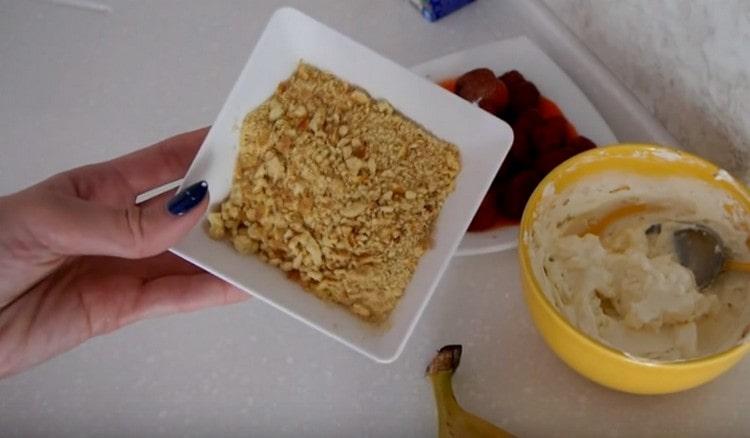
(78, 258)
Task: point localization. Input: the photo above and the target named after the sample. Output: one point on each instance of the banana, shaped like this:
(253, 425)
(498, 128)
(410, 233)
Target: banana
(453, 420)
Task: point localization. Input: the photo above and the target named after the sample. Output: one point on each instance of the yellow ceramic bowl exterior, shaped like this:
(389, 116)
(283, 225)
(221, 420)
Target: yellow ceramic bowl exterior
(589, 357)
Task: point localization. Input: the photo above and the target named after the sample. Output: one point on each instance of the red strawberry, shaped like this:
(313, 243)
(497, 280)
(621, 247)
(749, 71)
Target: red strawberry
(517, 193)
(549, 135)
(523, 96)
(526, 121)
(548, 109)
(476, 84)
(481, 86)
(507, 169)
(545, 163)
(522, 150)
(496, 102)
(512, 78)
(581, 143)
(486, 217)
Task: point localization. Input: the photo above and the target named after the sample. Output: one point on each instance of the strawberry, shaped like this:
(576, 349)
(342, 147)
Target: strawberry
(522, 151)
(486, 216)
(517, 193)
(523, 96)
(548, 109)
(581, 143)
(507, 169)
(549, 135)
(496, 102)
(477, 84)
(545, 163)
(481, 86)
(512, 78)
(526, 121)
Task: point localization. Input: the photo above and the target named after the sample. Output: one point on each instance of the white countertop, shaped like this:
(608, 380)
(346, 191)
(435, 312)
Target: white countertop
(79, 85)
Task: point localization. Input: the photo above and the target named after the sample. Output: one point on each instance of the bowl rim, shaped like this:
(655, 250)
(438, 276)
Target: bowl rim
(525, 261)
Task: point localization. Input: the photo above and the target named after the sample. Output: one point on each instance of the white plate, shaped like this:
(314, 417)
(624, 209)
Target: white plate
(289, 37)
(523, 55)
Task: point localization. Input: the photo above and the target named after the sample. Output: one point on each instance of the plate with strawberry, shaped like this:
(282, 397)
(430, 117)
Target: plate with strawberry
(552, 121)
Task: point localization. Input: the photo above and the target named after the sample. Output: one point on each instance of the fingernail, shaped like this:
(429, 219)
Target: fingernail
(188, 198)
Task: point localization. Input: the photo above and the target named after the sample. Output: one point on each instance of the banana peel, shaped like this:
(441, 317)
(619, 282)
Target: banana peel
(453, 420)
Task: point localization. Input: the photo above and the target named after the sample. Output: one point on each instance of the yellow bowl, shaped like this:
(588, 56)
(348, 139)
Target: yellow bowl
(591, 358)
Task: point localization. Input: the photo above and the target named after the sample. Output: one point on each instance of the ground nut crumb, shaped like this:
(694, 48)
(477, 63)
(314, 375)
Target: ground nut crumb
(216, 226)
(338, 190)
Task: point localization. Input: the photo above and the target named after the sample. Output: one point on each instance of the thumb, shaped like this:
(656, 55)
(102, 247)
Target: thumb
(77, 227)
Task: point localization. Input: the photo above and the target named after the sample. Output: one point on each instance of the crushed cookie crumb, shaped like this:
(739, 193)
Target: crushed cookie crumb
(338, 190)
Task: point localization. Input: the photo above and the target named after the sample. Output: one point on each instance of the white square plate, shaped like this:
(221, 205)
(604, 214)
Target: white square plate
(523, 55)
(289, 37)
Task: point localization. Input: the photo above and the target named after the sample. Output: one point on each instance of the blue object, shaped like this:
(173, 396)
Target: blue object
(188, 198)
(434, 10)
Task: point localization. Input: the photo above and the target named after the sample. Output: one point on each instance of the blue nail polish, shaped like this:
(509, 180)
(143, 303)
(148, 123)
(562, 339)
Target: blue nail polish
(188, 198)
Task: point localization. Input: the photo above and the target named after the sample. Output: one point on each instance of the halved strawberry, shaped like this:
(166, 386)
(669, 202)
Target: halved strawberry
(476, 84)
(497, 101)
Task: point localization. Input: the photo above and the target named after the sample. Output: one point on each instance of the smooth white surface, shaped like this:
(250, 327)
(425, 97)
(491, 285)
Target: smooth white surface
(523, 55)
(290, 37)
(78, 86)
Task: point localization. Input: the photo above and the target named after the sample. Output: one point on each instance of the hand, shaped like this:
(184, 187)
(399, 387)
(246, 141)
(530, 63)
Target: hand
(79, 259)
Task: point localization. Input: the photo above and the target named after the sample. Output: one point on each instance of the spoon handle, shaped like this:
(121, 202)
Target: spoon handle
(734, 265)
(597, 228)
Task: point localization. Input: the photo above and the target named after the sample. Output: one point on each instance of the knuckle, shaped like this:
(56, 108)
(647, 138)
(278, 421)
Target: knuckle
(134, 220)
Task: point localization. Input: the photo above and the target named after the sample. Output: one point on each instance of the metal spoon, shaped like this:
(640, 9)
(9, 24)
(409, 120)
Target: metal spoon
(701, 250)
